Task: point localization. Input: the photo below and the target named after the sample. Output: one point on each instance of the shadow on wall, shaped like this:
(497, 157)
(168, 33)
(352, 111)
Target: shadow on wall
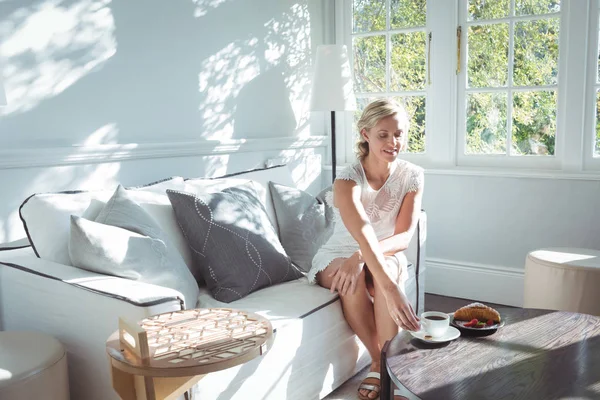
(151, 70)
(87, 72)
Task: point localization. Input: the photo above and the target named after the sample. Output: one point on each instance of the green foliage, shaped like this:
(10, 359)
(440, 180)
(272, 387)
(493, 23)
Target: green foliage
(408, 61)
(536, 7)
(488, 55)
(534, 123)
(486, 123)
(415, 108)
(535, 63)
(488, 9)
(407, 58)
(536, 52)
(407, 13)
(369, 64)
(369, 15)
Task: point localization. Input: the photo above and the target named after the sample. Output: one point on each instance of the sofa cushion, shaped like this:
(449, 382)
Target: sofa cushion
(114, 251)
(262, 176)
(233, 242)
(281, 304)
(46, 216)
(305, 222)
(125, 241)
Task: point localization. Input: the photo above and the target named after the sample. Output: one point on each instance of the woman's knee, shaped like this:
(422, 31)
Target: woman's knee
(360, 284)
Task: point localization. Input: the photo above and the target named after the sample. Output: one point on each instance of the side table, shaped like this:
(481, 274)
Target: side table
(163, 356)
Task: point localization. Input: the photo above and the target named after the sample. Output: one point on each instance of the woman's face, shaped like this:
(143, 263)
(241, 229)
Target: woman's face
(386, 138)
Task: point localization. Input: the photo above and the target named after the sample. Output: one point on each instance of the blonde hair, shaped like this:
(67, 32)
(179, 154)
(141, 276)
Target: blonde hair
(371, 115)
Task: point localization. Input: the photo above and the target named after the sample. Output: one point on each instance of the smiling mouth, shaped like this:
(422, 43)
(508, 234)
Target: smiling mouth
(391, 151)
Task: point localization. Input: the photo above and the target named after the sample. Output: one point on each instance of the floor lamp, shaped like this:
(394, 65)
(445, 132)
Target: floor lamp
(332, 88)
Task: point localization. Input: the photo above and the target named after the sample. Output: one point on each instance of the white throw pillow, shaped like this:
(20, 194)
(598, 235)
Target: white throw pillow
(45, 216)
(107, 245)
(118, 252)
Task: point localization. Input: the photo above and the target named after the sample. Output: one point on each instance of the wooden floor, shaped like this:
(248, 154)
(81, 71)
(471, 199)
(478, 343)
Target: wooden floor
(432, 303)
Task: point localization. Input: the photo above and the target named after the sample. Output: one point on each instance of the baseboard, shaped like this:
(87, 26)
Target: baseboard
(487, 283)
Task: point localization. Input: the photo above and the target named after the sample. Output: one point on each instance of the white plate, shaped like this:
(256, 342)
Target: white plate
(451, 334)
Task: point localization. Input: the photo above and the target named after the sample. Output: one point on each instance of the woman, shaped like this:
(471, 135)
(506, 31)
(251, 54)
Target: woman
(377, 201)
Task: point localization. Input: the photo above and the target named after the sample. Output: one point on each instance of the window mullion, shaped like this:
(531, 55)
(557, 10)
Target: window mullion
(511, 56)
(441, 94)
(388, 46)
(589, 127)
(572, 81)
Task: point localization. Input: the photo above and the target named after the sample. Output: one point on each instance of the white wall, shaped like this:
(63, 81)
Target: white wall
(480, 229)
(162, 88)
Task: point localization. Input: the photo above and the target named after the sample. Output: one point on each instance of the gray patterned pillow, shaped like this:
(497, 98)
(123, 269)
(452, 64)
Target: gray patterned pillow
(305, 222)
(233, 243)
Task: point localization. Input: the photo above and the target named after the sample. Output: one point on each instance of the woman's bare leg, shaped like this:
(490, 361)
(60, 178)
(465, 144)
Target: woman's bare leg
(386, 327)
(359, 313)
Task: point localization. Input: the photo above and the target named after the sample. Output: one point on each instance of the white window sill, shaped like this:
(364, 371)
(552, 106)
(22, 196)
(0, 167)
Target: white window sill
(503, 173)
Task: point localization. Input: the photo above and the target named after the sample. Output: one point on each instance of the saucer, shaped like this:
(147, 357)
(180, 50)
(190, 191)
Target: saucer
(451, 334)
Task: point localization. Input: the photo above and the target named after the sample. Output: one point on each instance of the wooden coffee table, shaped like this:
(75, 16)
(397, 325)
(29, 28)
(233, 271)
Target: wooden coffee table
(538, 354)
(166, 354)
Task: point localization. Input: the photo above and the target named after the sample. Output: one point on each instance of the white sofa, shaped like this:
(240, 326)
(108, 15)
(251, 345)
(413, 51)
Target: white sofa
(314, 350)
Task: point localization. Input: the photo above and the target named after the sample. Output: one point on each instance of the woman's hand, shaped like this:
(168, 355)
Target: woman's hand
(345, 277)
(400, 309)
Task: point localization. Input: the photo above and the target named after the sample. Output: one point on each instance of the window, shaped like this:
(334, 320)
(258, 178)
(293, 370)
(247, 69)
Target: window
(487, 83)
(510, 78)
(389, 54)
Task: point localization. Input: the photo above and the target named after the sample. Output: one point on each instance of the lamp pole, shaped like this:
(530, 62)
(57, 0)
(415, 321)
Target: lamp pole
(333, 146)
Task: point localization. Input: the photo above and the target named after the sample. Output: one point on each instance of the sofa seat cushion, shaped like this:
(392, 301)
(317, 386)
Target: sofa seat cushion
(281, 304)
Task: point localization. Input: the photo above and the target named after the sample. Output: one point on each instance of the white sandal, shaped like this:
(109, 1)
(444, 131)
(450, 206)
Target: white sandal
(369, 386)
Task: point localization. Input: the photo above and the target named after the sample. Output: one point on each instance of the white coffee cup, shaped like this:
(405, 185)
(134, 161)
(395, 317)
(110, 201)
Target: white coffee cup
(435, 323)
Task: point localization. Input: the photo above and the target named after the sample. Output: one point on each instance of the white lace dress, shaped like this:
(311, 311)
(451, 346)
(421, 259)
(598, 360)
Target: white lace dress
(382, 207)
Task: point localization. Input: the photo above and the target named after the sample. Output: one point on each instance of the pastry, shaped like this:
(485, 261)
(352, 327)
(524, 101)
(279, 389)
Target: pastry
(477, 311)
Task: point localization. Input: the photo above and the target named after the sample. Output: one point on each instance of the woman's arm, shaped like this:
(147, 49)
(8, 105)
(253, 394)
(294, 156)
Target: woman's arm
(406, 223)
(347, 200)
(354, 217)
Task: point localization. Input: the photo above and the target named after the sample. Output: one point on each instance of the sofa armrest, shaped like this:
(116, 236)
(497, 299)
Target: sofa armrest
(79, 308)
(138, 293)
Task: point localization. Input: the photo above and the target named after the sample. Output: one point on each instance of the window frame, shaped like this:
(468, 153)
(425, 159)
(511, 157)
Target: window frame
(591, 162)
(344, 35)
(504, 160)
(575, 97)
(439, 140)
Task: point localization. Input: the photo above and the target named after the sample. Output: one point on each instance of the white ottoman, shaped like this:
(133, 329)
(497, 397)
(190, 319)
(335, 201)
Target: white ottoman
(565, 279)
(32, 366)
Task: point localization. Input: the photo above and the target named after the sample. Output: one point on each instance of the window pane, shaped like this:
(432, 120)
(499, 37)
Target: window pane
(597, 150)
(531, 7)
(407, 13)
(486, 123)
(369, 15)
(534, 123)
(408, 61)
(415, 107)
(369, 64)
(488, 55)
(536, 52)
(488, 9)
